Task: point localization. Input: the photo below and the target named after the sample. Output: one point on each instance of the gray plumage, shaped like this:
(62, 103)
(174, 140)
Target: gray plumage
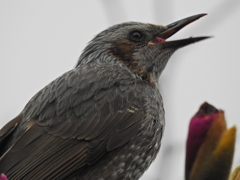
(103, 119)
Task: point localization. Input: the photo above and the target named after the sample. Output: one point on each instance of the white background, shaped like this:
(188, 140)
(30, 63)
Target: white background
(42, 39)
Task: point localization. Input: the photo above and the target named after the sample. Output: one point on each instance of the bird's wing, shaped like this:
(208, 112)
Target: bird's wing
(69, 125)
(6, 132)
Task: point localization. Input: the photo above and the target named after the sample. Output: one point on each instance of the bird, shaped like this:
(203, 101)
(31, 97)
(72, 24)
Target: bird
(102, 120)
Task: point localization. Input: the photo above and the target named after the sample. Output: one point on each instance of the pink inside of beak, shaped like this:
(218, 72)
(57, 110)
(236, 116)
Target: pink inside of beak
(158, 40)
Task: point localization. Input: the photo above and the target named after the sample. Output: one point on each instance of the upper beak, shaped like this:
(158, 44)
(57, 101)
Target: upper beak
(175, 27)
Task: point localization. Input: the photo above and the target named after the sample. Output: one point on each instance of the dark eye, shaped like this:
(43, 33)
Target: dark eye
(136, 36)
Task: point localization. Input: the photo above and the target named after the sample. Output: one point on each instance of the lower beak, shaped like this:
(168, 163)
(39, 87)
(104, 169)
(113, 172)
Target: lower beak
(182, 42)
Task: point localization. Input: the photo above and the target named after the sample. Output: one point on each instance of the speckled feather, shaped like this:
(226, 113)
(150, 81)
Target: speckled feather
(76, 116)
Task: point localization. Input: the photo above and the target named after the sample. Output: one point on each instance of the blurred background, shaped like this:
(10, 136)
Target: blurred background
(40, 40)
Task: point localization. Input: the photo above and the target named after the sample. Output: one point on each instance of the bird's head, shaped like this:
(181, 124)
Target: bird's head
(140, 47)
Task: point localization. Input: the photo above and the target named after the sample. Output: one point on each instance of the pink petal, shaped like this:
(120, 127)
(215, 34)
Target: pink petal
(3, 177)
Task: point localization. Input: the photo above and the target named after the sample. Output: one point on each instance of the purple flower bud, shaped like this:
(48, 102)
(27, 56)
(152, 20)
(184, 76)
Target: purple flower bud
(198, 128)
(3, 177)
(210, 146)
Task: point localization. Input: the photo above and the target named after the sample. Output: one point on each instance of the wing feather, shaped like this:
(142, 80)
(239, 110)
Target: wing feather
(7, 131)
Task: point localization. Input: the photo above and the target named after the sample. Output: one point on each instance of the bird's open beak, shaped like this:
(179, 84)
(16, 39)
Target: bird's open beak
(175, 27)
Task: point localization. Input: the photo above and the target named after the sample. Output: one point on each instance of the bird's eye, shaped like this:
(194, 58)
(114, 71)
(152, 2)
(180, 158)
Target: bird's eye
(136, 36)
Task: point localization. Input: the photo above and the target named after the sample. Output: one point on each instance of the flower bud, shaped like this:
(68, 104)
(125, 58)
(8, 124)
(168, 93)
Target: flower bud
(210, 146)
(3, 177)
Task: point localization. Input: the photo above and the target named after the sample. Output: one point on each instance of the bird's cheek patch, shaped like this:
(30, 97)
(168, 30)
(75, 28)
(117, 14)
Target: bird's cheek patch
(122, 49)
